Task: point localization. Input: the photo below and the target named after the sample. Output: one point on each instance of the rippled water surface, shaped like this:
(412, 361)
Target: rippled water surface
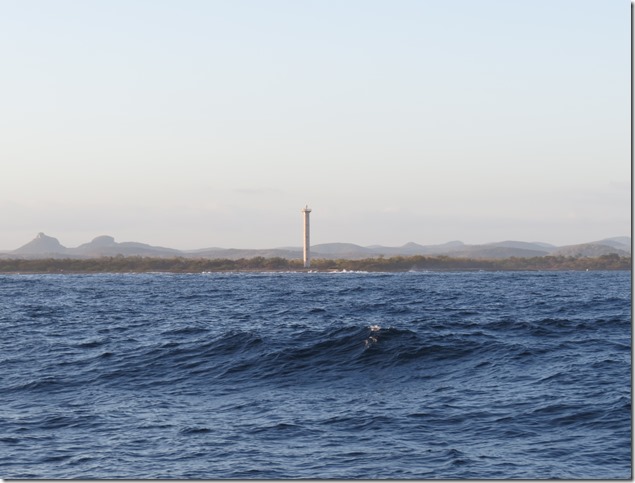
(316, 375)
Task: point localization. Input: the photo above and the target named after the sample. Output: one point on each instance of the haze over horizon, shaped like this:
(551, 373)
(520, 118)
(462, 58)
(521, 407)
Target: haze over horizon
(200, 124)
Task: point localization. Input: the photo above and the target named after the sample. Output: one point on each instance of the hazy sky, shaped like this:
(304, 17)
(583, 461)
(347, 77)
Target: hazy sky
(200, 123)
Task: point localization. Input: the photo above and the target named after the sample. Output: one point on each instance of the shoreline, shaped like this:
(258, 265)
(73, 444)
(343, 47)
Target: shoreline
(179, 265)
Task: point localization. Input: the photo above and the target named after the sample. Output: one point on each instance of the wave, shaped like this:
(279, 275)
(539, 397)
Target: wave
(247, 357)
(237, 356)
(193, 354)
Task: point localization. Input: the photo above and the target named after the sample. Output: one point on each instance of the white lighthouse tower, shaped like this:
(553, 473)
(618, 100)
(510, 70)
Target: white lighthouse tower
(307, 237)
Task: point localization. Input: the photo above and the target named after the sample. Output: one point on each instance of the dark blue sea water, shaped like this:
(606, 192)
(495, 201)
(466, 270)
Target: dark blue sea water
(316, 375)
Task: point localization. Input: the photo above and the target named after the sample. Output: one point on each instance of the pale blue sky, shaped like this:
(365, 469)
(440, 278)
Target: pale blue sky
(204, 123)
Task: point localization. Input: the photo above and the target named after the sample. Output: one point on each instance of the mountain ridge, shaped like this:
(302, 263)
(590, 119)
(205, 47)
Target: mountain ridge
(44, 246)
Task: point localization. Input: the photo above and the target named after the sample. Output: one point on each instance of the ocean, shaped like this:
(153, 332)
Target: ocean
(439, 375)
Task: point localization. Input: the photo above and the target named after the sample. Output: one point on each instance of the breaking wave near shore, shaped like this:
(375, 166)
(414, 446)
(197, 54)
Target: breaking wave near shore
(315, 375)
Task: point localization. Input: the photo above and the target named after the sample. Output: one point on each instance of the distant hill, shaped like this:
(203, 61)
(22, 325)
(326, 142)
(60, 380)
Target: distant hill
(540, 247)
(589, 250)
(43, 246)
(620, 242)
(416, 249)
(106, 246)
(340, 250)
(496, 252)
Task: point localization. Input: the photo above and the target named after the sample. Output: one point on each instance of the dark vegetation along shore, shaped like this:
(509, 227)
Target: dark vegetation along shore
(135, 264)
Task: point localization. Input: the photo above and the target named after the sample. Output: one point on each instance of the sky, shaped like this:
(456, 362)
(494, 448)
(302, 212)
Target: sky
(212, 123)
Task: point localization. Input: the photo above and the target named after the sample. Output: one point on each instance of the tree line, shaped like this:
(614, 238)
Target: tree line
(136, 264)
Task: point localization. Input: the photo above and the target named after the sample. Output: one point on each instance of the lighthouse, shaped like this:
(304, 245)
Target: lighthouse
(307, 237)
